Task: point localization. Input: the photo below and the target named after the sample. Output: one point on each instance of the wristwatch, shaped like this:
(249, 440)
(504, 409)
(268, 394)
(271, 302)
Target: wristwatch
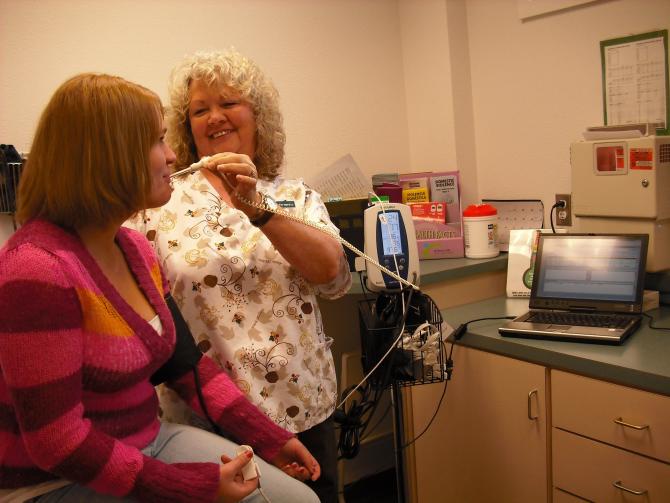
(265, 217)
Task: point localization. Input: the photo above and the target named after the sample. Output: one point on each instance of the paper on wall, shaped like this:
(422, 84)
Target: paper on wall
(516, 214)
(342, 179)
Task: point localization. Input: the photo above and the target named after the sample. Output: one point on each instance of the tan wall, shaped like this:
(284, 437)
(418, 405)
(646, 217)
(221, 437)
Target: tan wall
(400, 84)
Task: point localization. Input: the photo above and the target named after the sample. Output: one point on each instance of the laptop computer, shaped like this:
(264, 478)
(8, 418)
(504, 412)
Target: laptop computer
(586, 287)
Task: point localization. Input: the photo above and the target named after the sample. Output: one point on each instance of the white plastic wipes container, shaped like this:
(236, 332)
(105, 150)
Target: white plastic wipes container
(480, 231)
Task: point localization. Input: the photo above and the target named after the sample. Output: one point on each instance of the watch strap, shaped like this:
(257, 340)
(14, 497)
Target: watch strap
(263, 219)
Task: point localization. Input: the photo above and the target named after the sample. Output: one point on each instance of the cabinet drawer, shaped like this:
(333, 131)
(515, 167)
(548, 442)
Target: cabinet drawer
(590, 469)
(559, 496)
(590, 407)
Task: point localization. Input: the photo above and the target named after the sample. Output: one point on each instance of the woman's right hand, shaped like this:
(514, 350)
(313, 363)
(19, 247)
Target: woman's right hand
(232, 486)
(239, 176)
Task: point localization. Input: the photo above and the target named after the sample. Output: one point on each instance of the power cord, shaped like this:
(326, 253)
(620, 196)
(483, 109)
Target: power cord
(354, 420)
(651, 321)
(558, 204)
(457, 334)
(449, 369)
(460, 330)
(391, 347)
(381, 418)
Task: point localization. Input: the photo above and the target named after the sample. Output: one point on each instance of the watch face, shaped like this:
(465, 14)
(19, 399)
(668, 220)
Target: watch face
(269, 202)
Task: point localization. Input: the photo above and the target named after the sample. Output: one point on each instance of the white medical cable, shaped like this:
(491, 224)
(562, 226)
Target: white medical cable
(402, 299)
(388, 352)
(267, 500)
(320, 227)
(202, 163)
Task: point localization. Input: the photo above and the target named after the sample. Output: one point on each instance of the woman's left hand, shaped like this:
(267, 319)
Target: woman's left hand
(239, 176)
(295, 460)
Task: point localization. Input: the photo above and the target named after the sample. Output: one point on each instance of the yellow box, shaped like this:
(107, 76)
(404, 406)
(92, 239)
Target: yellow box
(415, 195)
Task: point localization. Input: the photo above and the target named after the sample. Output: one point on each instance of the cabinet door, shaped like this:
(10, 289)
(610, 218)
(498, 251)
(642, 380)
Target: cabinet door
(489, 439)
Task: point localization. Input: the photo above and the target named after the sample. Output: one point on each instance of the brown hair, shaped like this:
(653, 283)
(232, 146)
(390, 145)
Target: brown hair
(89, 161)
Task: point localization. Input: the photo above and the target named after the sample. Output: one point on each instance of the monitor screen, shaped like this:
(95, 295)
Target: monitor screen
(590, 268)
(390, 232)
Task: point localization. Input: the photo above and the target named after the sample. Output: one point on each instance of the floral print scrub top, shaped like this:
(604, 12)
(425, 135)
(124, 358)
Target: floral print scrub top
(246, 306)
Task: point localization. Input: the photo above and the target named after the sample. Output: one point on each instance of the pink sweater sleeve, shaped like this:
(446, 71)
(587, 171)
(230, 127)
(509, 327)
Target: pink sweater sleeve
(42, 353)
(230, 409)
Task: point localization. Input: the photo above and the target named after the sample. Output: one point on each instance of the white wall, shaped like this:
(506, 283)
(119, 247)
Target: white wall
(536, 85)
(438, 85)
(401, 84)
(337, 64)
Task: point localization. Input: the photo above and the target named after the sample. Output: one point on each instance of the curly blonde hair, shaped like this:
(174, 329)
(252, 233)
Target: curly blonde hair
(227, 69)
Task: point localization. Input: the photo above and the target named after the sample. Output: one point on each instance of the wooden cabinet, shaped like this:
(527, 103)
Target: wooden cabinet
(609, 442)
(489, 439)
(492, 439)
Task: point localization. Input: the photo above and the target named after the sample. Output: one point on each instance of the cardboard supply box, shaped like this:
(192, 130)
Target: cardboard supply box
(435, 239)
(431, 210)
(419, 195)
(443, 186)
(441, 248)
(438, 240)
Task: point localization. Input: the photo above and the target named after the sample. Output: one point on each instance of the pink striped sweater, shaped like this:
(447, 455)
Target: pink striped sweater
(75, 361)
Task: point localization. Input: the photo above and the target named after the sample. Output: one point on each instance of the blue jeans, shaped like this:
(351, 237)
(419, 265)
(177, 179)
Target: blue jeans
(177, 443)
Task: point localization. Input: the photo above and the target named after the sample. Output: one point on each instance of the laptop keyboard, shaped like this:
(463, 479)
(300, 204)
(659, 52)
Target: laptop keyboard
(580, 319)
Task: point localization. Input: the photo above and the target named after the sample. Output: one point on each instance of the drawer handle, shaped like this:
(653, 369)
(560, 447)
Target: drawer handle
(619, 420)
(618, 485)
(530, 411)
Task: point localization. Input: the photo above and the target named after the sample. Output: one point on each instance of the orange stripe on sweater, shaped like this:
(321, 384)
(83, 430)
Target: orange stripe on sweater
(99, 315)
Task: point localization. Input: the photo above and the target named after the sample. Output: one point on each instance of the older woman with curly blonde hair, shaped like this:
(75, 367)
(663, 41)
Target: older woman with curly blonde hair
(246, 279)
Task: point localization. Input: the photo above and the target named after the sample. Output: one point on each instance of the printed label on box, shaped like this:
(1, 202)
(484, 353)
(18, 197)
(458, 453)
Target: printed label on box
(432, 210)
(415, 196)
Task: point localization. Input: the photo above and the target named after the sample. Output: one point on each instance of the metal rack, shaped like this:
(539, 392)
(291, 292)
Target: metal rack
(417, 357)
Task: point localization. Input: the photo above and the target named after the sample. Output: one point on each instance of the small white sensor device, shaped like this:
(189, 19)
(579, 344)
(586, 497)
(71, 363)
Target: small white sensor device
(250, 470)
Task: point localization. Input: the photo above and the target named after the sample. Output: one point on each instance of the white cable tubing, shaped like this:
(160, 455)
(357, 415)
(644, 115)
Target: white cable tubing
(402, 330)
(200, 164)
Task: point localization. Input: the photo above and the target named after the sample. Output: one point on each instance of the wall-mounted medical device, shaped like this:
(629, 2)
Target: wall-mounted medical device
(390, 239)
(623, 186)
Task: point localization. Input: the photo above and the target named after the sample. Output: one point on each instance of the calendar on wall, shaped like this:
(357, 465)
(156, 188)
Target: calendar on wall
(516, 214)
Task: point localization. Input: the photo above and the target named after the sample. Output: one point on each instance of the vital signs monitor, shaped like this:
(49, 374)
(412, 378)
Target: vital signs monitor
(390, 240)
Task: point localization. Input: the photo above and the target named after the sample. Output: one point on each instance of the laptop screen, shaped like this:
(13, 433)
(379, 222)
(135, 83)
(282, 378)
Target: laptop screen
(588, 270)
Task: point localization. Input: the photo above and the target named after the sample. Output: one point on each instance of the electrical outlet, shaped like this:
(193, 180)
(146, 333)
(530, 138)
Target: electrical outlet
(564, 215)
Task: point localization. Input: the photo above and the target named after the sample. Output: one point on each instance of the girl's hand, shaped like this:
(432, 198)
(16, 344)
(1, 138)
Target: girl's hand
(232, 486)
(295, 460)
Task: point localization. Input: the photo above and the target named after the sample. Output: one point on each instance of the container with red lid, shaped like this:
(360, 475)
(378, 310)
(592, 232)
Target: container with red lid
(480, 231)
